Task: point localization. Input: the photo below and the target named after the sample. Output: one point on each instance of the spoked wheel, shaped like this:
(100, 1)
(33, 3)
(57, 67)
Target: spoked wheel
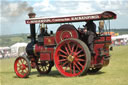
(43, 67)
(72, 57)
(22, 67)
(93, 70)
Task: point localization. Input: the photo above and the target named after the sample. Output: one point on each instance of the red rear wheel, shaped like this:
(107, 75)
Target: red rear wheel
(72, 57)
(22, 67)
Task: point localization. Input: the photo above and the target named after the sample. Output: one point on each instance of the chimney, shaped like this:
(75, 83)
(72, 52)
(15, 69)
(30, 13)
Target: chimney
(31, 15)
(32, 28)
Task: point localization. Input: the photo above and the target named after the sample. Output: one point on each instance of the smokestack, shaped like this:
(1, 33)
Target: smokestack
(31, 15)
(32, 28)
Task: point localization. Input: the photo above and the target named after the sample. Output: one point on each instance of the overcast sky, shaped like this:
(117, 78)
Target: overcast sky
(14, 12)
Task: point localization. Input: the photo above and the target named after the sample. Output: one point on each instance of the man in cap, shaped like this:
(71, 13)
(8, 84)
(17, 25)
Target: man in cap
(90, 30)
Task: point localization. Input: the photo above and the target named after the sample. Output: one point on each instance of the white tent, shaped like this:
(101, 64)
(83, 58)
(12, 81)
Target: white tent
(125, 36)
(120, 40)
(4, 52)
(4, 48)
(16, 47)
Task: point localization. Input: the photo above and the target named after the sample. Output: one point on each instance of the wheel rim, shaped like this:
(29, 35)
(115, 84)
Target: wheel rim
(21, 67)
(43, 68)
(70, 58)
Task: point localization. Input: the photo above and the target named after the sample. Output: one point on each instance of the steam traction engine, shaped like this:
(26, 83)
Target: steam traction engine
(66, 49)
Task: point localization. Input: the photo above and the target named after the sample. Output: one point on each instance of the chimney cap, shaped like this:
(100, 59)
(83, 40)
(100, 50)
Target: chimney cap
(31, 15)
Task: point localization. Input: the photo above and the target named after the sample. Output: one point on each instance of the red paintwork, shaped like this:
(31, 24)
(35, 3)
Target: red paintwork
(45, 56)
(79, 63)
(33, 64)
(41, 49)
(49, 40)
(21, 67)
(66, 31)
(100, 44)
(46, 53)
(102, 16)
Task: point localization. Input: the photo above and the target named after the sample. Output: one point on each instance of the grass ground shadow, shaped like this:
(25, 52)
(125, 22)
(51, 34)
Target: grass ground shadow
(96, 73)
(53, 73)
(56, 74)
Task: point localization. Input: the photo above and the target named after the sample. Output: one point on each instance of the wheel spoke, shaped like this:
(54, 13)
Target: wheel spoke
(77, 66)
(81, 55)
(80, 59)
(18, 64)
(66, 67)
(64, 63)
(26, 70)
(80, 64)
(62, 60)
(73, 47)
(69, 47)
(22, 60)
(63, 51)
(79, 51)
(19, 69)
(66, 50)
(40, 67)
(76, 48)
(22, 72)
(45, 68)
(26, 65)
(62, 55)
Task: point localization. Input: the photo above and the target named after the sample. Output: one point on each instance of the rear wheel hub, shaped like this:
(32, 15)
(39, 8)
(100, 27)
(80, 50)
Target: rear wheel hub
(70, 58)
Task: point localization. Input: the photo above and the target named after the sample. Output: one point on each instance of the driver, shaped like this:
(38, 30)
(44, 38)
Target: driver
(91, 32)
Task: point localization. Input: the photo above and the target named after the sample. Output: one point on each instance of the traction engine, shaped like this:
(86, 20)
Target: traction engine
(66, 49)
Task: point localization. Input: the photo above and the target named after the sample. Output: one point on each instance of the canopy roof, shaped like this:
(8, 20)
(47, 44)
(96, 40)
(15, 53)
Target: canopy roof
(102, 16)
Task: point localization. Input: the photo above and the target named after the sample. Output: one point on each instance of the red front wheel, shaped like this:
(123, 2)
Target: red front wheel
(72, 57)
(22, 67)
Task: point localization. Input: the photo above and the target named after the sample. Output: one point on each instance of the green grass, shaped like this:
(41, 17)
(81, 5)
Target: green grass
(116, 73)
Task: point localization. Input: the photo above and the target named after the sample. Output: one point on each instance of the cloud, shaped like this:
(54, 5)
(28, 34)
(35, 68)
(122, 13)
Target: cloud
(64, 7)
(44, 6)
(118, 6)
(77, 8)
(13, 16)
(11, 10)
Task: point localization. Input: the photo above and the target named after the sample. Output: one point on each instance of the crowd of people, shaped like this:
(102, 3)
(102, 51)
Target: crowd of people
(5, 53)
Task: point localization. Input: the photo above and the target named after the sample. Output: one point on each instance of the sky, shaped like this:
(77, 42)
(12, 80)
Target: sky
(13, 13)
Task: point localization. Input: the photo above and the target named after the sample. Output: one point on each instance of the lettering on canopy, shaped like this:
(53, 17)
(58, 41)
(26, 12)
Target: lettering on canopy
(63, 19)
(103, 16)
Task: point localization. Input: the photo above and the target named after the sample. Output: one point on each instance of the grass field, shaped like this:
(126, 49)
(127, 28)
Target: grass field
(116, 73)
